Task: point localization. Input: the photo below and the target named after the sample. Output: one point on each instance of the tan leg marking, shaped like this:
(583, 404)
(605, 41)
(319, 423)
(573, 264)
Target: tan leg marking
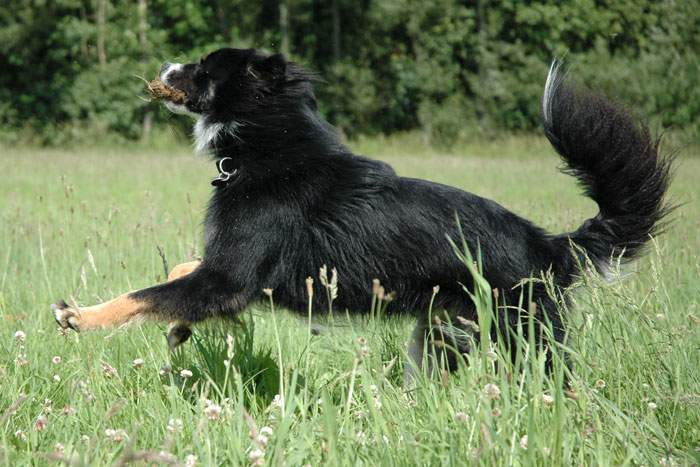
(120, 311)
(113, 313)
(182, 270)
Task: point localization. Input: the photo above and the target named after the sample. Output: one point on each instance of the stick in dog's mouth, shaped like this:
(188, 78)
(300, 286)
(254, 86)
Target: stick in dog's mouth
(159, 90)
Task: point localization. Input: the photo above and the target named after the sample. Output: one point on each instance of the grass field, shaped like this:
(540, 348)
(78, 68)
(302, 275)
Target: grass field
(88, 224)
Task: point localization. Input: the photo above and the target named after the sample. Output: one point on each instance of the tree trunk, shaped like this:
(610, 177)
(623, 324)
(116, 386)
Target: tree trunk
(284, 27)
(335, 12)
(101, 20)
(480, 107)
(143, 43)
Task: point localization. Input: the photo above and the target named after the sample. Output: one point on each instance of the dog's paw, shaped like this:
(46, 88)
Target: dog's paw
(178, 333)
(66, 316)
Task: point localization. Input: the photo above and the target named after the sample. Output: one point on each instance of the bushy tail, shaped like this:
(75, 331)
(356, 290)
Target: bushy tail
(616, 161)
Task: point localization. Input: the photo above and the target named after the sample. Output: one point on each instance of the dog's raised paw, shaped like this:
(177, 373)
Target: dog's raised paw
(65, 315)
(178, 333)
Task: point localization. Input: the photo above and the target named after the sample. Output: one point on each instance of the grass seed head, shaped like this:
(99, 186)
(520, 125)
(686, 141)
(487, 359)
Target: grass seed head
(310, 287)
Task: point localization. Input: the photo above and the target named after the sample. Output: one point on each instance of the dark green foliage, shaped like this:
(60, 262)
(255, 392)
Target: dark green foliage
(223, 369)
(450, 68)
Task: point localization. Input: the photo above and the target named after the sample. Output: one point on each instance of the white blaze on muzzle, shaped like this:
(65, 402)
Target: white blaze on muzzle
(165, 76)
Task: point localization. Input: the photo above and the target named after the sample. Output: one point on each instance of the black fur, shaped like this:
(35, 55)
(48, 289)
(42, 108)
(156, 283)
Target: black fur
(301, 200)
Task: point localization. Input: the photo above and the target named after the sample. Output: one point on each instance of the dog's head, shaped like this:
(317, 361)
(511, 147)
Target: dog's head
(237, 84)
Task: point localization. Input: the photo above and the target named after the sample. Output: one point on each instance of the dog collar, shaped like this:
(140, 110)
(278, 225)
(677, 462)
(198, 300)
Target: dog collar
(226, 172)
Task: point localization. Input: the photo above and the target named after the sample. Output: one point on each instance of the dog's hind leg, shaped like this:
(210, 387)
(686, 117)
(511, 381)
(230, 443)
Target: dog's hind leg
(415, 352)
(442, 343)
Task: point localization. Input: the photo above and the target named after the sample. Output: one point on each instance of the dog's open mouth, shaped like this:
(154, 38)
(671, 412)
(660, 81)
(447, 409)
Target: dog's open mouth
(161, 91)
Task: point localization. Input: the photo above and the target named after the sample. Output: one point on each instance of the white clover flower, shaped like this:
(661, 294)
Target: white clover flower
(138, 363)
(599, 384)
(20, 336)
(212, 411)
(652, 406)
(56, 360)
(523, 442)
(174, 425)
(492, 391)
(190, 460)
(266, 430)
(547, 400)
(40, 423)
(57, 378)
(256, 456)
(116, 435)
(19, 434)
(108, 370)
(165, 370)
(278, 401)
(185, 373)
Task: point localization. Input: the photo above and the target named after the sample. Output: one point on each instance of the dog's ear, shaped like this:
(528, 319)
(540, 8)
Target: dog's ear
(272, 69)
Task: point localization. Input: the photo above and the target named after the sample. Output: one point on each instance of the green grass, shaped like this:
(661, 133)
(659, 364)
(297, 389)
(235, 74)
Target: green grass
(87, 224)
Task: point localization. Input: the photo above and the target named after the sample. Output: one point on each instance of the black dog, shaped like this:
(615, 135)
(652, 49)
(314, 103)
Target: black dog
(290, 198)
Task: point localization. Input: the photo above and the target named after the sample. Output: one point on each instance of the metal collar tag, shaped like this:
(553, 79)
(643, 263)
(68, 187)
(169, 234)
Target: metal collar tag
(226, 172)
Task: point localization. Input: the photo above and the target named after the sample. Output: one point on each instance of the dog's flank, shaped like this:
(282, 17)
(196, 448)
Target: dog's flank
(301, 199)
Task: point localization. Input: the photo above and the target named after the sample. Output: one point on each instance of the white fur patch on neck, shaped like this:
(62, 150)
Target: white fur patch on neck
(206, 134)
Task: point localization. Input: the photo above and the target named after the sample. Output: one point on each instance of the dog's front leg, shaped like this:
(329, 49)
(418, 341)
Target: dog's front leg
(183, 269)
(115, 312)
(196, 296)
(180, 331)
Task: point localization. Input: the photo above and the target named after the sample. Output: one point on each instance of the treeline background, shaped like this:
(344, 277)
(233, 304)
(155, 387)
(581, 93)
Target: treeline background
(450, 69)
